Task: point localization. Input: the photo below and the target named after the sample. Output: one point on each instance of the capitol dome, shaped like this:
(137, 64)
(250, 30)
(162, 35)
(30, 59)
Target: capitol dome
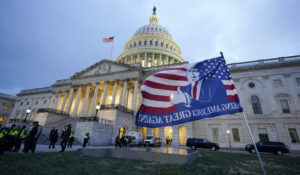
(151, 45)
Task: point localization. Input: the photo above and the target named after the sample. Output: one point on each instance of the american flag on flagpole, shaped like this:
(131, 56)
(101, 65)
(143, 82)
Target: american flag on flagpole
(206, 85)
(108, 40)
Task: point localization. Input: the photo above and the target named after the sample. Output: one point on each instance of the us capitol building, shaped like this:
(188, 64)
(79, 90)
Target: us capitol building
(104, 98)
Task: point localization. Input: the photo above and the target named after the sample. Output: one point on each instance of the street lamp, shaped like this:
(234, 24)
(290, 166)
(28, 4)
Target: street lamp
(97, 109)
(27, 112)
(228, 132)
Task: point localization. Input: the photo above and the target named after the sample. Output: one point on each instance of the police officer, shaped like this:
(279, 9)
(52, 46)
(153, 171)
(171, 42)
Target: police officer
(86, 139)
(32, 138)
(71, 140)
(20, 136)
(66, 137)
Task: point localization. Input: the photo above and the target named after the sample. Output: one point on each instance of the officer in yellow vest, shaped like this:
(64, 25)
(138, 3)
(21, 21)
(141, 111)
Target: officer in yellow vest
(21, 135)
(86, 139)
(71, 140)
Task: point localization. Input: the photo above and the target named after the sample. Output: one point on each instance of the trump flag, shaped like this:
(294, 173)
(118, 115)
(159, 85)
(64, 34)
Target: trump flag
(187, 93)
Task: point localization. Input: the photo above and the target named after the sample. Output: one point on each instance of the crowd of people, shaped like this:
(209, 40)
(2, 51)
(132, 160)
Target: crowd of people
(12, 137)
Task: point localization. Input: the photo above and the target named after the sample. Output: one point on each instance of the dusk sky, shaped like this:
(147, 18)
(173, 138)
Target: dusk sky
(49, 40)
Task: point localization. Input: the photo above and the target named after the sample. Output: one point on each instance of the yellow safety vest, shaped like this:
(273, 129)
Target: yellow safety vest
(72, 136)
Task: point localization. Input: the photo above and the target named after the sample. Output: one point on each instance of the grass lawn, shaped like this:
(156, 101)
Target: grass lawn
(208, 163)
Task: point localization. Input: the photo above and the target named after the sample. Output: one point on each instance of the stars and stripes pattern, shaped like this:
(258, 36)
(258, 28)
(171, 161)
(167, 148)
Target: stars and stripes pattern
(108, 40)
(216, 69)
(157, 88)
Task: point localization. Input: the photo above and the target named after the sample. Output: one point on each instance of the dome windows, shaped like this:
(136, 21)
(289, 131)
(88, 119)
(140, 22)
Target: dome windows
(151, 43)
(140, 43)
(145, 42)
(156, 43)
(167, 45)
(134, 45)
(161, 44)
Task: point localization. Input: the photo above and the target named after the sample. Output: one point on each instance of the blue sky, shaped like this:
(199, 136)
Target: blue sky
(44, 41)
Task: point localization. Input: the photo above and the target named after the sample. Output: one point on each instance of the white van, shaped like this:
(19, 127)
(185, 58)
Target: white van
(136, 137)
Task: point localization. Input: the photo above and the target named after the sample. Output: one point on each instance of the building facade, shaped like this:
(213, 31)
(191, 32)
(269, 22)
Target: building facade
(103, 98)
(6, 106)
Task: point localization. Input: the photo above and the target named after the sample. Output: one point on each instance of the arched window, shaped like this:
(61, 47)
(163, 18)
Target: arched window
(256, 105)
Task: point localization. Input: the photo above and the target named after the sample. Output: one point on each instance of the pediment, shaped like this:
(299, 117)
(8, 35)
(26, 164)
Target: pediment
(104, 67)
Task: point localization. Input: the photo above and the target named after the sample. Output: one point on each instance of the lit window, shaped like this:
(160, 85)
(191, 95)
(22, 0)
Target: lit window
(215, 134)
(6, 107)
(285, 106)
(235, 134)
(263, 134)
(256, 105)
(1, 118)
(294, 135)
(277, 83)
(298, 81)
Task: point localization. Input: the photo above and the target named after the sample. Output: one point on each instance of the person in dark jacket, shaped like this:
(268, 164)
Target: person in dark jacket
(32, 138)
(117, 144)
(66, 137)
(53, 137)
(86, 139)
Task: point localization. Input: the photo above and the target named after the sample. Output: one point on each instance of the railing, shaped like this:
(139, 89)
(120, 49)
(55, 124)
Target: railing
(54, 111)
(118, 107)
(161, 67)
(97, 119)
(265, 62)
(63, 81)
(36, 90)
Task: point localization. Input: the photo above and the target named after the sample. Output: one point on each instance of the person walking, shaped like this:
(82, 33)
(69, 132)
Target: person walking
(71, 140)
(32, 138)
(53, 137)
(86, 139)
(65, 139)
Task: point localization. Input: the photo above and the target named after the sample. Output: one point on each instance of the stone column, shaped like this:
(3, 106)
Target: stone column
(104, 94)
(148, 132)
(161, 134)
(175, 135)
(125, 60)
(124, 93)
(92, 107)
(70, 100)
(134, 95)
(77, 102)
(159, 60)
(87, 92)
(146, 60)
(139, 59)
(64, 101)
(56, 106)
(114, 92)
(13, 113)
(52, 100)
(131, 59)
(152, 60)
(167, 59)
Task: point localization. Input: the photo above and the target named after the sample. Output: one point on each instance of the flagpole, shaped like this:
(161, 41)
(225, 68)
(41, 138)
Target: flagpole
(245, 118)
(258, 155)
(112, 46)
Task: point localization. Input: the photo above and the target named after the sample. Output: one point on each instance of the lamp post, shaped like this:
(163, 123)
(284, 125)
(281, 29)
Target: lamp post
(27, 112)
(97, 109)
(228, 132)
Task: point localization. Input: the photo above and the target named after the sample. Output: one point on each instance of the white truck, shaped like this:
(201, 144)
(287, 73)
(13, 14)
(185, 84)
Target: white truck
(135, 137)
